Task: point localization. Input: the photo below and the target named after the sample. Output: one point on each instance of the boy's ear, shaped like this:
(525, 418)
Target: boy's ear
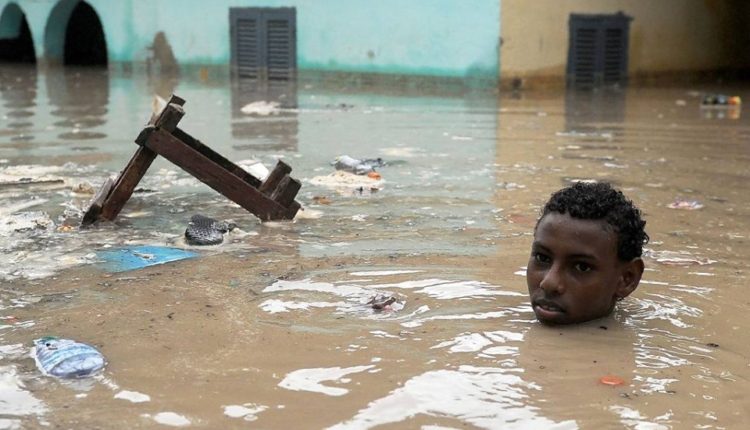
(629, 277)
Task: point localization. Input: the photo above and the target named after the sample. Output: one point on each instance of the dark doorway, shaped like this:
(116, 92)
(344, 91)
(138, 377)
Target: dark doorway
(84, 38)
(19, 49)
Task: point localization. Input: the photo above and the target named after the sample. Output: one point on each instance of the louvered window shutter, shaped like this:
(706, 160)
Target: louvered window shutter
(280, 45)
(615, 56)
(263, 43)
(584, 55)
(598, 51)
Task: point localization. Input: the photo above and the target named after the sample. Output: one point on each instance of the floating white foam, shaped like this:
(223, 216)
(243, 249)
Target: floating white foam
(261, 108)
(310, 379)
(248, 411)
(171, 419)
(133, 396)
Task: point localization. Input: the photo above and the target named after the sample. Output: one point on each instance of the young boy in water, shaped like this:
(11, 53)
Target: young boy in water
(586, 254)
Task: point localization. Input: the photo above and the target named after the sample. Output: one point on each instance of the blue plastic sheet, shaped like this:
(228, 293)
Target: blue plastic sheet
(138, 257)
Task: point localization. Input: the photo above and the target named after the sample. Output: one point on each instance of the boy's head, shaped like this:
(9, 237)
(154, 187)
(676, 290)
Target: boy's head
(586, 254)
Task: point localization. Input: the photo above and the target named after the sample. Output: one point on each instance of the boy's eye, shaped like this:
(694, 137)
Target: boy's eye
(541, 258)
(583, 267)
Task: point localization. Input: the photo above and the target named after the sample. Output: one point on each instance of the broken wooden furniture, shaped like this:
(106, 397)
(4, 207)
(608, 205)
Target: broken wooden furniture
(272, 199)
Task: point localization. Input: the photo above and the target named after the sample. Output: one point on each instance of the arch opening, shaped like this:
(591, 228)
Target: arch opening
(84, 38)
(16, 44)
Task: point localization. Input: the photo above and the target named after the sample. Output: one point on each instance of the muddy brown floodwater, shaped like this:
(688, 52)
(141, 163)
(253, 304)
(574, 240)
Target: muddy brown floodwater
(274, 329)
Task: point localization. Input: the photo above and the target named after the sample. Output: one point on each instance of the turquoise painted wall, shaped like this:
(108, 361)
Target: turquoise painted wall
(447, 38)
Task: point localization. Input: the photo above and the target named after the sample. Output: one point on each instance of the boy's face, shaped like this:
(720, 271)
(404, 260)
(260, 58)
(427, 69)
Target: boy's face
(574, 274)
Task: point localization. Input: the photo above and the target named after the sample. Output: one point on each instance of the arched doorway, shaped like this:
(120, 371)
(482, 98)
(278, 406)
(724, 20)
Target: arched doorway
(16, 44)
(84, 38)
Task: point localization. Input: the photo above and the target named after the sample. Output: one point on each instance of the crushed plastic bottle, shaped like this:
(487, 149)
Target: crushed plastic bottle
(358, 167)
(65, 358)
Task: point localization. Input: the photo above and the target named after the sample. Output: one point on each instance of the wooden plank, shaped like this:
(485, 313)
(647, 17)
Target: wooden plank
(95, 209)
(144, 134)
(170, 117)
(214, 175)
(292, 210)
(286, 191)
(273, 179)
(156, 115)
(126, 183)
(216, 157)
(176, 100)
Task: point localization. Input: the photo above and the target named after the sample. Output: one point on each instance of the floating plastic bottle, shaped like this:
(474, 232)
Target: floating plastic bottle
(353, 165)
(65, 358)
(358, 167)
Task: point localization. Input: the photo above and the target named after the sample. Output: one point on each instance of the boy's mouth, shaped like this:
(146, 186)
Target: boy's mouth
(547, 309)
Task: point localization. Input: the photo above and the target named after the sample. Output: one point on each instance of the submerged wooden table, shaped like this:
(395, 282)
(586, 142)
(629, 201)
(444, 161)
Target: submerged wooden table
(272, 199)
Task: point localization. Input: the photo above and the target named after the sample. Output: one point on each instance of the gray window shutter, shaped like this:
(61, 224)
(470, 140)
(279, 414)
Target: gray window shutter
(598, 51)
(584, 58)
(263, 43)
(281, 54)
(615, 55)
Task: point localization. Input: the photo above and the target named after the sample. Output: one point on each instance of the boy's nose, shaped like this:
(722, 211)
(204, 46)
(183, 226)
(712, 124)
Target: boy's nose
(552, 281)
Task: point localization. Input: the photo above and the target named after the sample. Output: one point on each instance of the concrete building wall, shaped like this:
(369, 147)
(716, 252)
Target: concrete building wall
(446, 38)
(665, 35)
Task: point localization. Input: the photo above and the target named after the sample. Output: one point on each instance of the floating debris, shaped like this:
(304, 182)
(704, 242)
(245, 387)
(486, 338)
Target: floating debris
(344, 182)
(510, 186)
(171, 419)
(138, 257)
(688, 205)
(611, 380)
(322, 200)
(382, 302)
(202, 230)
(356, 166)
(717, 100)
(133, 396)
(25, 222)
(261, 108)
(65, 358)
(248, 411)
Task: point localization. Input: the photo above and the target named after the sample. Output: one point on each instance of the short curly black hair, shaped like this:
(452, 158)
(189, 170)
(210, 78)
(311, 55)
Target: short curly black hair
(600, 201)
